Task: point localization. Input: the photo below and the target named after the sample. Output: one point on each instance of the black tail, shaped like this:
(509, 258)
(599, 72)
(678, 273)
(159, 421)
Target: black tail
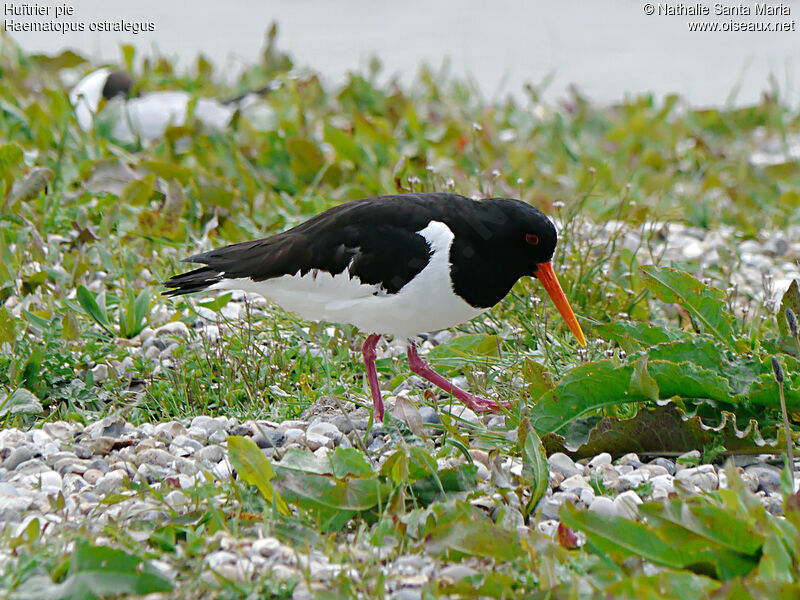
(198, 280)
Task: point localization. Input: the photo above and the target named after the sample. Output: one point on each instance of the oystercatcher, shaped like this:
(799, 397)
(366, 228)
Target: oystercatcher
(147, 117)
(397, 265)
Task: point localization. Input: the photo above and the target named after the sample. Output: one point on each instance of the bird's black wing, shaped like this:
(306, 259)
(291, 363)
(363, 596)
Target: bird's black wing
(374, 239)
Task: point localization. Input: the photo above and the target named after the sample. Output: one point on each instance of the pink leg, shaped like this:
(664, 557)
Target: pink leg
(423, 369)
(368, 352)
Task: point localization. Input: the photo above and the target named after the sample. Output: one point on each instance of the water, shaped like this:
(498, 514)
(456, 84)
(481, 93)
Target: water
(608, 48)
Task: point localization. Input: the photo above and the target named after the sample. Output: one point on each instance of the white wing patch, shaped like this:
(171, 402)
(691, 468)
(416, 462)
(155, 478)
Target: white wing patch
(426, 303)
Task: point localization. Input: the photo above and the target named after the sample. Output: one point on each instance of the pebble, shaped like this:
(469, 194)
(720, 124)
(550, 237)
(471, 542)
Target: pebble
(110, 482)
(87, 464)
(175, 328)
(627, 504)
(703, 476)
(429, 416)
(19, 456)
(294, 435)
(768, 478)
(462, 413)
(604, 458)
(561, 463)
(269, 438)
(328, 430)
(99, 373)
(664, 463)
(604, 505)
(315, 441)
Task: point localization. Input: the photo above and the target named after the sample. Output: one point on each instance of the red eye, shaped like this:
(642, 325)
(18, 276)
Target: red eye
(532, 239)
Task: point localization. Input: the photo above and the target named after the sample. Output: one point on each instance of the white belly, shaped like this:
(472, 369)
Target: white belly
(426, 303)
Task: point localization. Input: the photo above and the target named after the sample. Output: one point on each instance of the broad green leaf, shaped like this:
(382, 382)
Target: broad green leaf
(659, 430)
(584, 389)
(688, 380)
(764, 390)
(474, 534)
(254, 468)
(710, 355)
(617, 534)
(305, 157)
(705, 303)
(138, 191)
(667, 584)
(535, 469)
(88, 302)
(347, 462)
(305, 461)
(8, 326)
(642, 383)
(216, 304)
(343, 143)
(461, 478)
(633, 336)
(713, 523)
(10, 157)
(332, 501)
(538, 377)
(98, 572)
(776, 561)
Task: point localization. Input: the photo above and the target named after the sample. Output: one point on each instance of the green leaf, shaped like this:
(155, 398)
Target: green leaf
(535, 469)
(98, 572)
(667, 584)
(138, 192)
(10, 157)
(343, 143)
(216, 304)
(662, 429)
(705, 303)
(302, 460)
(616, 534)
(333, 502)
(8, 326)
(461, 478)
(305, 157)
(712, 523)
(688, 380)
(254, 468)
(583, 389)
(349, 462)
(132, 318)
(642, 383)
(633, 336)
(776, 561)
(97, 312)
(790, 299)
(474, 533)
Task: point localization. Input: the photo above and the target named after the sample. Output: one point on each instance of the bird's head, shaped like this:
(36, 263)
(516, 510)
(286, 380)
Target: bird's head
(537, 239)
(101, 84)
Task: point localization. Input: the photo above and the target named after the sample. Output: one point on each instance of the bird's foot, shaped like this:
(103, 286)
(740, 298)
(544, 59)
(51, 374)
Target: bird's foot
(479, 404)
(423, 369)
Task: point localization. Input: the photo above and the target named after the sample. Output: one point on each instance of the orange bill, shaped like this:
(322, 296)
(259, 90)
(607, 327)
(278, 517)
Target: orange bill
(547, 276)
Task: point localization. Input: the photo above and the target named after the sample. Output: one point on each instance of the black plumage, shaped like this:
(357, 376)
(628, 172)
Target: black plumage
(377, 240)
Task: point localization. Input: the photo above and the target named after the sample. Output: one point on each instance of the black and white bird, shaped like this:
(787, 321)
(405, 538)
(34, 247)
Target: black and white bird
(394, 265)
(146, 117)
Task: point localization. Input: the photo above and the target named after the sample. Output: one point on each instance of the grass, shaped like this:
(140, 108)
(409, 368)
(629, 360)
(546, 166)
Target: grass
(89, 228)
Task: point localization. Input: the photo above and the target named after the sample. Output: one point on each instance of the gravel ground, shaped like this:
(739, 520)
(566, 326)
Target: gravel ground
(107, 457)
(88, 464)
